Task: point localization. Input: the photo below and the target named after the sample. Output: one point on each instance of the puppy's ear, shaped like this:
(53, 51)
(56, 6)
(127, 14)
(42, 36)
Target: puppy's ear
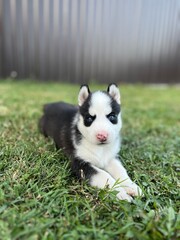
(113, 91)
(83, 94)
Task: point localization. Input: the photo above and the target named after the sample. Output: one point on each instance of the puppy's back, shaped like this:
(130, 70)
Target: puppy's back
(56, 123)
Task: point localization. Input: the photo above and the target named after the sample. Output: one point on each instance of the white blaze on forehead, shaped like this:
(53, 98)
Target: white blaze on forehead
(100, 103)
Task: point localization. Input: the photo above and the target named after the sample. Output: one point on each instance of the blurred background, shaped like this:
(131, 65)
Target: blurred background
(77, 41)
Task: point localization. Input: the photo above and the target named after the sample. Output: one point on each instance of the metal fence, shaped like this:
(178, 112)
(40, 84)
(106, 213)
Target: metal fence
(85, 40)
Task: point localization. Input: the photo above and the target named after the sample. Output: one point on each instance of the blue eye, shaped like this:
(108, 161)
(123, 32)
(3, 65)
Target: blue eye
(112, 118)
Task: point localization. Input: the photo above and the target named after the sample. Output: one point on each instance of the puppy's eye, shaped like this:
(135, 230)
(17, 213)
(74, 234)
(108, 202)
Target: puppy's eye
(88, 120)
(112, 118)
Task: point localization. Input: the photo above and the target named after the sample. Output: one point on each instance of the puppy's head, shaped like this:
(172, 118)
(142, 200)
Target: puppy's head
(100, 115)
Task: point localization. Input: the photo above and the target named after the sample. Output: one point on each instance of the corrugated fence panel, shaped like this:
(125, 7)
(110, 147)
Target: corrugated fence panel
(84, 40)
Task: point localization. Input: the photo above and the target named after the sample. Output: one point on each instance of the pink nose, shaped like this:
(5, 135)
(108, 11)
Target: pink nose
(102, 136)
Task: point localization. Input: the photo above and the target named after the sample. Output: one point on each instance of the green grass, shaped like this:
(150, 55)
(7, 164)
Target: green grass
(39, 199)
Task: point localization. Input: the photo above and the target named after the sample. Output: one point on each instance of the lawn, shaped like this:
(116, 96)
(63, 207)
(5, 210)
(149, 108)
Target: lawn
(40, 199)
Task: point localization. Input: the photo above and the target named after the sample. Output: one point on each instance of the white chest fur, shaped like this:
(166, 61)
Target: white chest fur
(98, 155)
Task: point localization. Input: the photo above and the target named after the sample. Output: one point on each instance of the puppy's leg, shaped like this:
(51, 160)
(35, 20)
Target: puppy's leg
(118, 172)
(98, 177)
(102, 179)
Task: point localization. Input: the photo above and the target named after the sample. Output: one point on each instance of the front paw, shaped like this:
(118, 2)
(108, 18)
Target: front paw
(122, 195)
(132, 188)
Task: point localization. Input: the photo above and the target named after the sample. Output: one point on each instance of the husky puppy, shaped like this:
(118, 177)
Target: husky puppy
(90, 136)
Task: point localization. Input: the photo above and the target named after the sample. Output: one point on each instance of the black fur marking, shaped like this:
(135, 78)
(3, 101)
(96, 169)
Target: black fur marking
(57, 124)
(84, 111)
(82, 169)
(77, 135)
(88, 120)
(116, 108)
